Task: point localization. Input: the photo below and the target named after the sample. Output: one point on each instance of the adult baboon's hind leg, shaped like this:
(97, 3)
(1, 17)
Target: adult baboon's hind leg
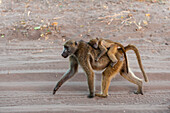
(134, 79)
(107, 76)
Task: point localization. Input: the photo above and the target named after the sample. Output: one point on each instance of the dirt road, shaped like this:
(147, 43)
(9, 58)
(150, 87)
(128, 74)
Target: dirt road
(31, 63)
(29, 72)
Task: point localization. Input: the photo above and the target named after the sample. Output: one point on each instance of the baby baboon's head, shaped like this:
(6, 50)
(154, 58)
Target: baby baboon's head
(94, 43)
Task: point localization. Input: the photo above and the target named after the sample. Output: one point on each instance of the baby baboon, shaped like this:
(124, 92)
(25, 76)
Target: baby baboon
(82, 53)
(110, 47)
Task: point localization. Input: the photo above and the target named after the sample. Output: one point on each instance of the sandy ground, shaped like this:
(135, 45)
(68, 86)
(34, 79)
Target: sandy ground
(31, 62)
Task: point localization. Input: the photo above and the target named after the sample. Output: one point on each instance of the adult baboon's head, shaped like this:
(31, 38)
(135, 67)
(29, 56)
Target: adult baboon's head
(70, 47)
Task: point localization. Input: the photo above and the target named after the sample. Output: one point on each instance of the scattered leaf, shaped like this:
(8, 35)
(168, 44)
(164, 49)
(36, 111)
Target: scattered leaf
(106, 7)
(130, 15)
(145, 22)
(37, 28)
(81, 25)
(23, 22)
(42, 35)
(2, 36)
(54, 23)
(46, 38)
(148, 15)
(48, 32)
(130, 22)
(134, 10)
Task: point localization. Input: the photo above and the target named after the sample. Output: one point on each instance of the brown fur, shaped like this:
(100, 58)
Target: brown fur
(83, 54)
(110, 47)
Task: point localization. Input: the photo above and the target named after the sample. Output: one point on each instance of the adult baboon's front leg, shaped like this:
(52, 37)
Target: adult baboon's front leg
(71, 72)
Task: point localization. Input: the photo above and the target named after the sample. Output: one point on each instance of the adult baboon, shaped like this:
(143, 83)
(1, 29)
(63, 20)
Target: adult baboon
(83, 54)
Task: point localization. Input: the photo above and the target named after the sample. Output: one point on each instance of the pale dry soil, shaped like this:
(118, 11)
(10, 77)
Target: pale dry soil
(31, 66)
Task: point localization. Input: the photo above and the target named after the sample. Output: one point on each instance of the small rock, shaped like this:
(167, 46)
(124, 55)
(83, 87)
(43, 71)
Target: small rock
(166, 44)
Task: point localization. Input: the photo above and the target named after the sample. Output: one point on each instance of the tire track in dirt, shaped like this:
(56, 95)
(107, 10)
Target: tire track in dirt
(89, 108)
(37, 96)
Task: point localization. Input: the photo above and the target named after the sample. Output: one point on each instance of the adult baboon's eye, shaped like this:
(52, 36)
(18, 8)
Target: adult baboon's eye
(67, 48)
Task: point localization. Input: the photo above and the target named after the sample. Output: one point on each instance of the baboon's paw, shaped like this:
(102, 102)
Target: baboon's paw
(138, 92)
(54, 91)
(101, 95)
(90, 96)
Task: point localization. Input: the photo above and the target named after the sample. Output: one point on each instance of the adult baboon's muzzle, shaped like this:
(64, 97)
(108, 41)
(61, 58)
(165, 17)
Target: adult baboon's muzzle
(65, 55)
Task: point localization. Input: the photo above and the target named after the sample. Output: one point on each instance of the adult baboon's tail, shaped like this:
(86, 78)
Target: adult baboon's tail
(132, 47)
